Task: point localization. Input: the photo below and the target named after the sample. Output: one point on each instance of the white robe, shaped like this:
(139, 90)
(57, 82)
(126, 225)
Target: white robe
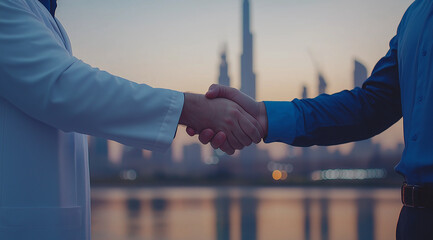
(48, 100)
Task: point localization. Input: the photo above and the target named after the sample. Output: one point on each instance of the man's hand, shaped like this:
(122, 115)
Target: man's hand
(220, 115)
(255, 109)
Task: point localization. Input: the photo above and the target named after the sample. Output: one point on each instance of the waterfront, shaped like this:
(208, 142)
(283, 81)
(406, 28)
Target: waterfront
(197, 213)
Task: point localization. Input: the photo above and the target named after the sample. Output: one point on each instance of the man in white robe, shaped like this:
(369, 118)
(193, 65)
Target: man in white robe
(49, 99)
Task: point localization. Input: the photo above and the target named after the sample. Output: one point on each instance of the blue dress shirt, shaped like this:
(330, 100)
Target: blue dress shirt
(401, 85)
(51, 5)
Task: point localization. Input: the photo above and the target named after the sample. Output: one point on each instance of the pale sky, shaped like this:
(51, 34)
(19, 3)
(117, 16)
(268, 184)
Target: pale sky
(176, 44)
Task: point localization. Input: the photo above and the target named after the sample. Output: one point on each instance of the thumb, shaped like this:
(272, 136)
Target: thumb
(219, 91)
(213, 91)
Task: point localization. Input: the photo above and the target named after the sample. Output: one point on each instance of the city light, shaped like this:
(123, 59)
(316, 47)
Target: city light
(130, 175)
(348, 174)
(276, 175)
(287, 167)
(283, 175)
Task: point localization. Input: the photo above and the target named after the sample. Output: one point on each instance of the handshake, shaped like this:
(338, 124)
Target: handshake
(225, 117)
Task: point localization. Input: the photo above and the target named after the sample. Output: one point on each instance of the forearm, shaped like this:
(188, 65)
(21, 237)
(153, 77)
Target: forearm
(87, 100)
(343, 117)
(97, 103)
(331, 119)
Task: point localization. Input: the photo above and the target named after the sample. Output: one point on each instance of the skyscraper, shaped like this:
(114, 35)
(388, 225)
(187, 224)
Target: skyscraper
(224, 78)
(248, 78)
(362, 150)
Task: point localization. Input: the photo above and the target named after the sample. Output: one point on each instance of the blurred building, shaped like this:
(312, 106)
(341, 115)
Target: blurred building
(304, 92)
(362, 150)
(99, 164)
(161, 164)
(192, 162)
(224, 78)
(248, 78)
(322, 83)
(132, 158)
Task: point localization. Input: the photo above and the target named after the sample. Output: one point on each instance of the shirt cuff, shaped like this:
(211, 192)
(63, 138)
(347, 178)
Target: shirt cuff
(281, 122)
(169, 125)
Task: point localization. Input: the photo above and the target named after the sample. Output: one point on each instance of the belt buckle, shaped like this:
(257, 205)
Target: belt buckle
(412, 188)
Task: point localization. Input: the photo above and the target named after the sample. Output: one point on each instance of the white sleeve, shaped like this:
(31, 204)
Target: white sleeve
(40, 77)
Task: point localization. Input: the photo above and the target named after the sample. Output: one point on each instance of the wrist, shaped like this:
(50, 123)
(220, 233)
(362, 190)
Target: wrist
(263, 118)
(194, 105)
(186, 109)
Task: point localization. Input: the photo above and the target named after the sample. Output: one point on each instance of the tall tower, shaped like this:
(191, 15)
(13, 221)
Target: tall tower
(248, 78)
(224, 78)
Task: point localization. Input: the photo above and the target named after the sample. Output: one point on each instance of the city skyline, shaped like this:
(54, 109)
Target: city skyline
(365, 161)
(173, 45)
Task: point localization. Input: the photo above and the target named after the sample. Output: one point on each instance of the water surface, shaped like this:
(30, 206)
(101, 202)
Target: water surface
(212, 213)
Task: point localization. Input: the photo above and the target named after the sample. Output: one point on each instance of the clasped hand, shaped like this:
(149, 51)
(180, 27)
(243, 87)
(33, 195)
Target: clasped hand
(225, 117)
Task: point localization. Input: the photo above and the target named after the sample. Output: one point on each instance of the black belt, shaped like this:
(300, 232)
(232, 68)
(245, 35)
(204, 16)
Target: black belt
(417, 196)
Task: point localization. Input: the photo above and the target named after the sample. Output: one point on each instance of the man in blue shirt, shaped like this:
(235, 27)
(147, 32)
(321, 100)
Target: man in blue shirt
(401, 85)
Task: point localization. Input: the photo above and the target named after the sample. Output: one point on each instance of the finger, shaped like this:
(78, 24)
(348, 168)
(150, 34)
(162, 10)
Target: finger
(218, 140)
(190, 131)
(227, 148)
(242, 138)
(251, 127)
(233, 141)
(206, 136)
(250, 130)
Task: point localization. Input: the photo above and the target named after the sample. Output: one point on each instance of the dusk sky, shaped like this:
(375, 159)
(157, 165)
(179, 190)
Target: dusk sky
(176, 44)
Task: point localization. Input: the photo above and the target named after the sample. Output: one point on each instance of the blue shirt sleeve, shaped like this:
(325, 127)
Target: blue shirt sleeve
(342, 117)
(281, 121)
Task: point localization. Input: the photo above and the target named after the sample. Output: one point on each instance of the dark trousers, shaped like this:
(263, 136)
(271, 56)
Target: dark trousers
(415, 224)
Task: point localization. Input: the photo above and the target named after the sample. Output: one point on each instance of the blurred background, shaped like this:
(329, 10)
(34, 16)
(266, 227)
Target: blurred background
(274, 50)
